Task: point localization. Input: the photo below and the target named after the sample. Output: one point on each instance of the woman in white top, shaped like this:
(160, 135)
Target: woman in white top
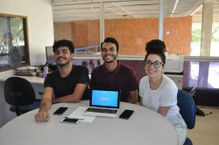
(157, 91)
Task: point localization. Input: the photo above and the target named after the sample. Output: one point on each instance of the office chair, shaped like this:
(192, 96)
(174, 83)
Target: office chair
(20, 94)
(187, 110)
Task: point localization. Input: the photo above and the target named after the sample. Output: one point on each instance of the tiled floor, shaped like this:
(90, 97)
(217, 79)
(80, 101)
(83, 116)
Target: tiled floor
(206, 131)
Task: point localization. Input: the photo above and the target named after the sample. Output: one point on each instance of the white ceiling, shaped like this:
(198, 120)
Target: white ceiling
(74, 10)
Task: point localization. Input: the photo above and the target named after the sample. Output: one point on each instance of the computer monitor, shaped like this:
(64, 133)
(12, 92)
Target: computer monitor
(204, 76)
(49, 55)
(201, 74)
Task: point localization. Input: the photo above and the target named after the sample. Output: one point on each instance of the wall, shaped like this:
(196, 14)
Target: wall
(133, 34)
(85, 33)
(40, 24)
(63, 30)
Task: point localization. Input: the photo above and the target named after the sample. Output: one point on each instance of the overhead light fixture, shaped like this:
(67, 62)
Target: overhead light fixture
(91, 5)
(174, 8)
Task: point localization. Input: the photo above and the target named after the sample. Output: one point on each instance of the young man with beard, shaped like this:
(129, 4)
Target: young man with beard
(114, 75)
(67, 84)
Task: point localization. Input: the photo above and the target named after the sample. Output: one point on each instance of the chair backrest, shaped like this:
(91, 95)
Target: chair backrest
(187, 108)
(18, 91)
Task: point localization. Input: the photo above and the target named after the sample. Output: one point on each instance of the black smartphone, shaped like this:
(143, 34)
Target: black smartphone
(70, 120)
(60, 110)
(126, 114)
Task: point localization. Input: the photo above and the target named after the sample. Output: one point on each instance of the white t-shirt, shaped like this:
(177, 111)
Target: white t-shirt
(164, 96)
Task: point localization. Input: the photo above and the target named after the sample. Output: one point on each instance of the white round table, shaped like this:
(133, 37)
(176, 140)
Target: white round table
(144, 127)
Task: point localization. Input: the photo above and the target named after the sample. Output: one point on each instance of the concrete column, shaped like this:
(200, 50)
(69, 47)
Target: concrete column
(161, 20)
(102, 22)
(207, 19)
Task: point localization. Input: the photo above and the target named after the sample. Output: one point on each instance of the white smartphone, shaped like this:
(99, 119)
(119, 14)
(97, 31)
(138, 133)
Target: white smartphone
(70, 120)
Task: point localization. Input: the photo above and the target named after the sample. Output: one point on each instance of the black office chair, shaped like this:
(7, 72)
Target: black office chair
(20, 94)
(187, 110)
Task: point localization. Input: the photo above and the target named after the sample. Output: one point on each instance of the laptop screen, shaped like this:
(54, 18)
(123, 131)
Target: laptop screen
(105, 98)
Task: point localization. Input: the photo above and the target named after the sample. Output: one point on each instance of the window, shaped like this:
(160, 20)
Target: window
(14, 50)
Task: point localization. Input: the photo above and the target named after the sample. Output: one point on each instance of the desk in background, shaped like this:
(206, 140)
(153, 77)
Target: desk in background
(144, 127)
(31, 79)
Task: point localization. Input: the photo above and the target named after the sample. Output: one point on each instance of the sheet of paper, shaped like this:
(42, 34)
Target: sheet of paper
(78, 113)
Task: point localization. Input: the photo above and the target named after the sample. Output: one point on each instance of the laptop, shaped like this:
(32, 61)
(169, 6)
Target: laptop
(104, 103)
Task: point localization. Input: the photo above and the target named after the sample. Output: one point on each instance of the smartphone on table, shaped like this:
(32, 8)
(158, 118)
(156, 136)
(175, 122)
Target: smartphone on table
(70, 120)
(126, 114)
(60, 110)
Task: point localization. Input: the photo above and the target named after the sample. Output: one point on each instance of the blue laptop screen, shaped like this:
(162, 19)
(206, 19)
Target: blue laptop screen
(105, 98)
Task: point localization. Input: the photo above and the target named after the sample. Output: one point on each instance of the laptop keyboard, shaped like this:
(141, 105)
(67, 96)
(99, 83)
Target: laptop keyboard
(110, 111)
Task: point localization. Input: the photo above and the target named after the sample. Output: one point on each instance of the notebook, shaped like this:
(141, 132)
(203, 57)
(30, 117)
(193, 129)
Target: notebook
(103, 103)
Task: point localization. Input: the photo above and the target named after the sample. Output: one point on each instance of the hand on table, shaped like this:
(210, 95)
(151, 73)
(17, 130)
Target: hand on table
(42, 116)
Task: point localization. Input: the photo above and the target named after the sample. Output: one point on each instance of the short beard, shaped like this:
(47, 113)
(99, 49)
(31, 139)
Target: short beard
(114, 58)
(62, 65)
